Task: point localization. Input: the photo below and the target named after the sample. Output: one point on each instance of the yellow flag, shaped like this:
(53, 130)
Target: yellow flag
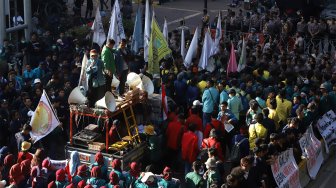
(158, 48)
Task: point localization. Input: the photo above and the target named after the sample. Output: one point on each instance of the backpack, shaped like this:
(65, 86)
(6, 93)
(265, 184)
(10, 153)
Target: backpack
(236, 153)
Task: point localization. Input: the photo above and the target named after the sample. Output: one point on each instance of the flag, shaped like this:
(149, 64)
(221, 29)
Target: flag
(215, 46)
(206, 50)
(164, 102)
(137, 40)
(182, 44)
(242, 58)
(116, 29)
(165, 29)
(158, 48)
(44, 119)
(99, 35)
(147, 32)
(232, 65)
(192, 51)
(83, 81)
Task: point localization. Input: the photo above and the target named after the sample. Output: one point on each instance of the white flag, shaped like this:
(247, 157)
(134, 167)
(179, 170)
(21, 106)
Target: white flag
(242, 59)
(215, 46)
(192, 51)
(44, 119)
(83, 81)
(147, 31)
(206, 50)
(165, 29)
(116, 29)
(182, 44)
(99, 35)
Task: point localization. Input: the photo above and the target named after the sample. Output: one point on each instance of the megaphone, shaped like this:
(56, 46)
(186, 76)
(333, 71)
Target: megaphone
(115, 82)
(133, 80)
(108, 102)
(77, 97)
(147, 84)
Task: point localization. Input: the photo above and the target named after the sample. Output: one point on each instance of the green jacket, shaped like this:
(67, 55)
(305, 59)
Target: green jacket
(194, 180)
(108, 58)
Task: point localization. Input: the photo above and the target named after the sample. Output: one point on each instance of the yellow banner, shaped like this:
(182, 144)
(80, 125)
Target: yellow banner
(158, 48)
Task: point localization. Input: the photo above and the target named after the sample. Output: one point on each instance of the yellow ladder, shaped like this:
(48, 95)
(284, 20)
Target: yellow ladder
(131, 124)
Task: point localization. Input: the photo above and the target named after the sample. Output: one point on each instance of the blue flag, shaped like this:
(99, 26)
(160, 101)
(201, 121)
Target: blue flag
(137, 40)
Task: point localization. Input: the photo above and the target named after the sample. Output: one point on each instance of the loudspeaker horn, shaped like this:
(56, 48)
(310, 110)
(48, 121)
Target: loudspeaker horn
(115, 82)
(108, 102)
(77, 97)
(147, 84)
(133, 80)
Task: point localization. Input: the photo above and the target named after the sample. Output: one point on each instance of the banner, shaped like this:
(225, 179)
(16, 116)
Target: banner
(58, 164)
(158, 48)
(312, 150)
(285, 170)
(44, 119)
(327, 126)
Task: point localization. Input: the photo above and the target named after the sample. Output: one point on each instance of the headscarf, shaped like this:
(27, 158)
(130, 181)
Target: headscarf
(167, 173)
(116, 164)
(9, 161)
(114, 179)
(71, 185)
(74, 162)
(25, 167)
(3, 153)
(52, 184)
(81, 184)
(134, 169)
(35, 172)
(99, 158)
(82, 169)
(60, 175)
(96, 172)
(46, 164)
(15, 174)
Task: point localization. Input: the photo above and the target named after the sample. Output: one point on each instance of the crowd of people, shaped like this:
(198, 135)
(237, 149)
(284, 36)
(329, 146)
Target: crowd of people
(225, 129)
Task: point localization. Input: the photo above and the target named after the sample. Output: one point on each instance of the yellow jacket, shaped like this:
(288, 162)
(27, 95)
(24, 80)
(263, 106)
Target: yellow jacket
(274, 116)
(256, 131)
(283, 109)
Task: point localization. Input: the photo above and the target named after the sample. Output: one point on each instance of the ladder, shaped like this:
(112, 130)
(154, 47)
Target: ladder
(131, 125)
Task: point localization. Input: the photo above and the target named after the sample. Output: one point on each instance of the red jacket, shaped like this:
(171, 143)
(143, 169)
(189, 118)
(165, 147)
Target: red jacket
(213, 143)
(196, 120)
(173, 134)
(189, 147)
(23, 156)
(216, 125)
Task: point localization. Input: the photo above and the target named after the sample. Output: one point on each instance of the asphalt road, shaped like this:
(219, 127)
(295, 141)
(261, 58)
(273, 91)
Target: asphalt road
(175, 11)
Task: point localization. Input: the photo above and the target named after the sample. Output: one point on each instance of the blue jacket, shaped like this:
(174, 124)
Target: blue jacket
(38, 73)
(95, 72)
(210, 97)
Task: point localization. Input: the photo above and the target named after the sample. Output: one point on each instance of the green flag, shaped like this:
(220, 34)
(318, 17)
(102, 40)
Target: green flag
(158, 48)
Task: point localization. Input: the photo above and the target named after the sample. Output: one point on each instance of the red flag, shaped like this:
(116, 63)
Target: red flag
(232, 65)
(164, 102)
